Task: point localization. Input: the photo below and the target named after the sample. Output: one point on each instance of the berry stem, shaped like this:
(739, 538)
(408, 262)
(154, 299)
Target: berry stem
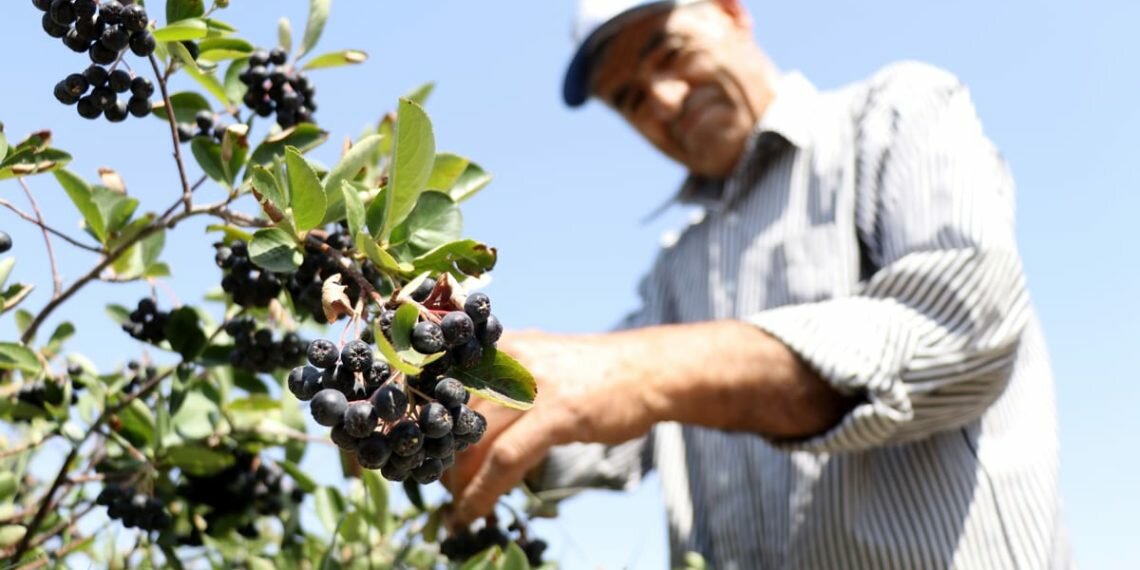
(57, 281)
(45, 227)
(187, 192)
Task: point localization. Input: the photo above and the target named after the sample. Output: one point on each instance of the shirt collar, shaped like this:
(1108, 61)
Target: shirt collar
(787, 117)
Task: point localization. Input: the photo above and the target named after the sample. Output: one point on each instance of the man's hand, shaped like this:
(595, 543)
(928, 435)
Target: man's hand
(583, 396)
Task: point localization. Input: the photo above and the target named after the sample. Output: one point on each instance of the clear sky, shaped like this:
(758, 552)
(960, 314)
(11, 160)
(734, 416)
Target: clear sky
(1056, 84)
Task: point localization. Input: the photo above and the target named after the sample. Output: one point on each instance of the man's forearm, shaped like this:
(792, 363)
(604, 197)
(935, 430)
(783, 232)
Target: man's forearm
(727, 375)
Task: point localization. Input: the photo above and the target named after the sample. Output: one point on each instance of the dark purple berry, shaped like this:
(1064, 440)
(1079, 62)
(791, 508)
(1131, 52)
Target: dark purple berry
(104, 98)
(85, 8)
(357, 356)
(100, 54)
(89, 28)
(6, 244)
(204, 120)
(142, 87)
(63, 95)
(119, 81)
(142, 44)
(477, 306)
(328, 407)
(76, 84)
(464, 420)
(468, 355)
(435, 420)
(451, 393)
(377, 374)
(134, 18)
(42, 5)
(62, 12)
(439, 447)
(96, 76)
(406, 438)
(115, 38)
(342, 439)
(76, 42)
(53, 29)
(139, 106)
(360, 419)
(428, 472)
(427, 338)
(394, 474)
(490, 331)
(259, 58)
(386, 318)
(304, 382)
(458, 328)
(391, 402)
(425, 288)
(185, 135)
(278, 56)
(407, 462)
(111, 12)
(373, 452)
(323, 353)
(87, 107)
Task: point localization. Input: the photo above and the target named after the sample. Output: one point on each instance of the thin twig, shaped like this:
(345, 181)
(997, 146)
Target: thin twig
(57, 282)
(186, 191)
(45, 227)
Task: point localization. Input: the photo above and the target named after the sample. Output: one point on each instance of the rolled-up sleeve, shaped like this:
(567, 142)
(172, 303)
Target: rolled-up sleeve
(930, 339)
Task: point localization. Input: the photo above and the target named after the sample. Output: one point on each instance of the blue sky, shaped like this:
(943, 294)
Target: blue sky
(1055, 83)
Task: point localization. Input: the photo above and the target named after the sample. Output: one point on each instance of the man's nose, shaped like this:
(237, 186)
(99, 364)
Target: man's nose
(666, 97)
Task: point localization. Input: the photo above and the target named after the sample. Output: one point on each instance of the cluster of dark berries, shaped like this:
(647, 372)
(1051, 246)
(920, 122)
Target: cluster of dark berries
(246, 283)
(373, 416)
(205, 125)
(40, 393)
(462, 333)
(305, 284)
(276, 88)
(147, 323)
(133, 508)
(103, 31)
(256, 350)
(5, 242)
(139, 376)
(250, 487)
(463, 545)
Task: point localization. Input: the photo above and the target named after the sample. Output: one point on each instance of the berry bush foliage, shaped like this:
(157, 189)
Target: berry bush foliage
(346, 293)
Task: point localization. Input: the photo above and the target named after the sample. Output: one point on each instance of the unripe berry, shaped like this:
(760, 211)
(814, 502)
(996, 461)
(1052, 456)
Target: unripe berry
(435, 421)
(391, 402)
(427, 338)
(322, 353)
(328, 407)
(477, 306)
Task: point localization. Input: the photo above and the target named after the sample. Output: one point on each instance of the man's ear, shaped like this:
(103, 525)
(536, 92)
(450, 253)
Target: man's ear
(735, 10)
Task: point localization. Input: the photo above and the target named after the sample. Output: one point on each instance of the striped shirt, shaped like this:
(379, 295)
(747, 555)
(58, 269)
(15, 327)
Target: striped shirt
(871, 229)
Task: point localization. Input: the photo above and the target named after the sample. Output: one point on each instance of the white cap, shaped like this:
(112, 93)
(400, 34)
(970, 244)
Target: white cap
(597, 21)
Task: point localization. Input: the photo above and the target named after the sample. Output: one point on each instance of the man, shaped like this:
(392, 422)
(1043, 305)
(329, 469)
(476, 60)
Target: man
(839, 365)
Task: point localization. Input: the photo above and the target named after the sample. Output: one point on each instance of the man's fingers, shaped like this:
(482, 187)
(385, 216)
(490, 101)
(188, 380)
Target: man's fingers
(519, 449)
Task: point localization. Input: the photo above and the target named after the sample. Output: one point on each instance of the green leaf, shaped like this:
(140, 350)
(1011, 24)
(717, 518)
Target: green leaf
(14, 295)
(209, 83)
(115, 208)
(184, 29)
(330, 507)
(484, 560)
(3, 143)
(468, 256)
(185, 333)
(390, 355)
(304, 482)
(198, 460)
(208, 153)
(446, 170)
(195, 416)
(318, 15)
(182, 54)
(266, 184)
(64, 331)
(307, 196)
(406, 317)
(500, 379)
(231, 233)
(6, 266)
(118, 313)
(347, 168)
(380, 257)
(186, 105)
(434, 221)
(32, 160)
(473, 179)
(81, 195)
(420, 94)
(411, 166)
(134, 263)
(182, 9)
(377, 490)
(218, 27)
(138, 423)
(235, 150)
(514, 558)
(275, 250)
(285, 34)
(337, 59)
(304, 137)
(354, 211)
(235, 89)
(8, 486)
(10, 534)
(219, 49)
(16, 357)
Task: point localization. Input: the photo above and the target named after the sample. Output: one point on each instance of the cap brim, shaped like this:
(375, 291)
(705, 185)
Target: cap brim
(575, 86)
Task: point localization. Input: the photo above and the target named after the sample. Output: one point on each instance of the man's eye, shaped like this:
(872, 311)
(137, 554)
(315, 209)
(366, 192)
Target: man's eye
(669, 57)
(636, 100)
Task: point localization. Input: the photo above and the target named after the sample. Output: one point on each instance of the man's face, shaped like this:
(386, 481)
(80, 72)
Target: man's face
(677, 78)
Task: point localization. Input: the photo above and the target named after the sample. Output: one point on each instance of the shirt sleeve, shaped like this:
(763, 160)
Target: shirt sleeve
(594, 465)
(930, 339)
